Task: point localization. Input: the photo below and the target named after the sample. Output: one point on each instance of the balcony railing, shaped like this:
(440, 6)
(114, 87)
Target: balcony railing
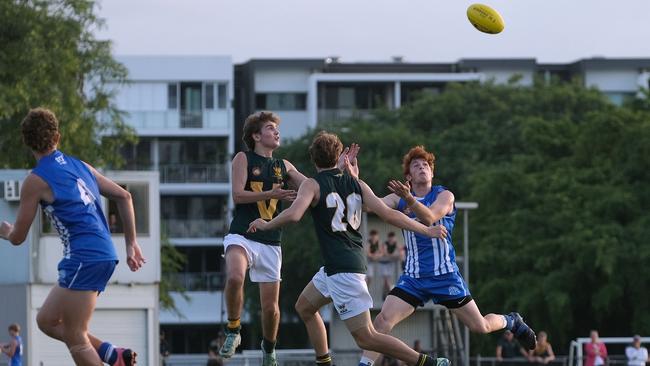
(193, 173)
(194, 228)
(191, 119)
(202, 281)
(173, 118)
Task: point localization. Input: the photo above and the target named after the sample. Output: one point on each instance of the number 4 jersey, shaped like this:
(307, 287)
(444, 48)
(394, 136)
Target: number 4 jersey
(76, 212)
(337, 218)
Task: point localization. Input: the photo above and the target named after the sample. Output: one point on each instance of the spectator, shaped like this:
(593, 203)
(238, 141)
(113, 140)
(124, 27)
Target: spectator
(595, 351)
(373, 252)
(508, 348)
(543, 352)
(636, 355)
(388, 262)
(164, 349)
(14, 349)
(214, 358)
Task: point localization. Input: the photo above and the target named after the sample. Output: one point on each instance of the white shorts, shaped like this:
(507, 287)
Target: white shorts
(264, 261)
(387, 269)
(348, 292)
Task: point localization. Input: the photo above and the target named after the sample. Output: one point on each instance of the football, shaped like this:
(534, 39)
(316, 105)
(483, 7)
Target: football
(485, 19)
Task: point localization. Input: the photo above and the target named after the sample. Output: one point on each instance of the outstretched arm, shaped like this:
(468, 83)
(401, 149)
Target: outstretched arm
(31, 193)
(443, 204)
(295, 177)
(306, 195)
(394, 217)
(124, 201)
(10, 348)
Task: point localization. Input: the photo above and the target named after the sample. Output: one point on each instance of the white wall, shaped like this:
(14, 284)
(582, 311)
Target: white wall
(501, 76)
(613, 80)
(142, 96)
(281, 80)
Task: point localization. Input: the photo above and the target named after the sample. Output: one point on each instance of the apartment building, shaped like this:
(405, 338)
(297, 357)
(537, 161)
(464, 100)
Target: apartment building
(180, 108)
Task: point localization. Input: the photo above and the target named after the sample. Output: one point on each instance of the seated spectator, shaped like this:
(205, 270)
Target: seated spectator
(636, 355)
(508, 347)
(595, 351)
(543, 352)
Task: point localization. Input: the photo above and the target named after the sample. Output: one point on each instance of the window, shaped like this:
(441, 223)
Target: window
(223, 96)
(193, 216)
(137, 157)
(140, 195)
(172, 96)
(209, 96)
(281, 101)
(191, 105)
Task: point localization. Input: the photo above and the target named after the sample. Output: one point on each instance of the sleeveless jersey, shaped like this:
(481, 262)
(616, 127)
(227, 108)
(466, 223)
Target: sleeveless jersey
(428, 257)
(264, 174)
(337, 218)
(76, 212)
(17, 358)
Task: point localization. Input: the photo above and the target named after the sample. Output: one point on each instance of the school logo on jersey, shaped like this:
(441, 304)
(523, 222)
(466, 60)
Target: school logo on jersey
(256, 171)
(277, 172)
(60, 159)
(453, 290)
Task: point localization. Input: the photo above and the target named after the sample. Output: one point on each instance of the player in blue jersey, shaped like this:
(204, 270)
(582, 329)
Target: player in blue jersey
(14, 349)
(430, 271)
(68, 190)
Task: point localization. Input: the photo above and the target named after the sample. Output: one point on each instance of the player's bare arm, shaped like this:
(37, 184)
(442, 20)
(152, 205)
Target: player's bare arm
(241, 195)
(33, 190)
(373, 204)
(307, 195)
(295, 177)
(111, 190)
(443, 205)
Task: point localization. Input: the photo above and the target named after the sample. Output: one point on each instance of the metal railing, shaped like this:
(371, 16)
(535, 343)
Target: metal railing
(342, 114)
(193, 173)
(191, 119)
(516, 361)
(194, 228)
(203, 281)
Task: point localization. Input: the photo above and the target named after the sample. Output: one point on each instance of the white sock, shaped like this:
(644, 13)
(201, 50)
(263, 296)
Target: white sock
(365, 361)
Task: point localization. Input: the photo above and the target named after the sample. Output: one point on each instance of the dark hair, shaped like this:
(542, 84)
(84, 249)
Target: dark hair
(14, 328)
(40, 130)
(418, 152)
(391, 234)
(325, 149)
(253, 125)
(373, 232)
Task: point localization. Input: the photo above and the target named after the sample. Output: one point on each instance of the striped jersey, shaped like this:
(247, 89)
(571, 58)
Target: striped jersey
(76, 212)
(428, 257)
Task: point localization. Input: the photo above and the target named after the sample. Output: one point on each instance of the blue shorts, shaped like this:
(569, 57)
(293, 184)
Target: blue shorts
(85, 276)
(448, 289)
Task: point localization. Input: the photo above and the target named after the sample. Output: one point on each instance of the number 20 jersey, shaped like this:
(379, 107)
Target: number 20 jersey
(76, 212)
(337, 218)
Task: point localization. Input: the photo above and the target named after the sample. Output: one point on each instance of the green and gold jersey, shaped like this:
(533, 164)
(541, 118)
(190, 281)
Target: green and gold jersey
(264, 174)
(337, 218)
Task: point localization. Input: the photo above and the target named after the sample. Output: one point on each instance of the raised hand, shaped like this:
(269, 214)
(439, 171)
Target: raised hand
(258, 224)
(403, 190)
(134, 258)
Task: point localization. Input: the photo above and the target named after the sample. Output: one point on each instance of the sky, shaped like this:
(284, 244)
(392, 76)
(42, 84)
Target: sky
(376, 30)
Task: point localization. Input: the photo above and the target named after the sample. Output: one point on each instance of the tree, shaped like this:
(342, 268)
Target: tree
(50, 57)
(560, 174)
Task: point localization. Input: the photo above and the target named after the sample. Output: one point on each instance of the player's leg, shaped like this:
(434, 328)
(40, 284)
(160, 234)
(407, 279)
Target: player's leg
(393, 311)
(237, 261)
(266, 271)
(368, 338)
(464, 307)
(314, 296)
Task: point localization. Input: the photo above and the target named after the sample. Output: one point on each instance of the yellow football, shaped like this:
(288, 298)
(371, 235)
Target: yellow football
(485, 19)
